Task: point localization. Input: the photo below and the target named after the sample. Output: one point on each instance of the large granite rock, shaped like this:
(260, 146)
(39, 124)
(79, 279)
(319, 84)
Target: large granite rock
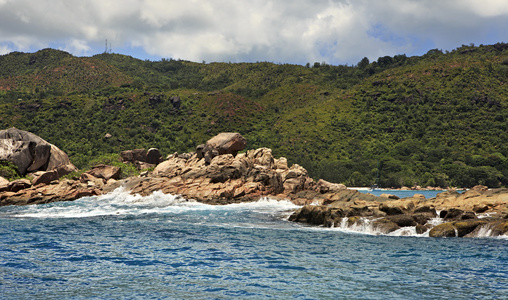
(18, 185)
(227, 143)
(142, 158)
(153, 156)
(42, 177)
(324, 186)
(31, 153)
(223, 143)
(105, 172)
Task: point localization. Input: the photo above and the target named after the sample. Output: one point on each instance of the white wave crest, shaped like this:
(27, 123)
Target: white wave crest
(121, 202)
(366, 226)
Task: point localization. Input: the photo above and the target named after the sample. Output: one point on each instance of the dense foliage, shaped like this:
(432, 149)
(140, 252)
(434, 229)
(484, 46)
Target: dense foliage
(438, 120)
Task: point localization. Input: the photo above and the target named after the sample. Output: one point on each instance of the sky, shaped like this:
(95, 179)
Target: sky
(279, 31)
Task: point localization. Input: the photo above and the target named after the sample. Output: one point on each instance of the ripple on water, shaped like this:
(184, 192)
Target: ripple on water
(189, 251)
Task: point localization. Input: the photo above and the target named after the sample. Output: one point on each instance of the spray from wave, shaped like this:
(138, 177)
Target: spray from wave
(270, 211)
(367, 226)
(121, 202)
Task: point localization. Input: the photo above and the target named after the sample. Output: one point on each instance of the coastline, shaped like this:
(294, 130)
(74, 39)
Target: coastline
(217, 174)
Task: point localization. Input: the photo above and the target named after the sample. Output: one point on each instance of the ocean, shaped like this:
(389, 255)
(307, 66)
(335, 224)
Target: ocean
(119, 246)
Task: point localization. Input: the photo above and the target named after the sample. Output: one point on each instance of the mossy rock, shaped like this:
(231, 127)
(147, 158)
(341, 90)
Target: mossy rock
(443, 230)
(452, 213)
(421, 229)
(352, 220)
(390, 210)
(426, 210)
(385, 226)
(422, 218)
(467, 226)
(500, 229)
(403, 220)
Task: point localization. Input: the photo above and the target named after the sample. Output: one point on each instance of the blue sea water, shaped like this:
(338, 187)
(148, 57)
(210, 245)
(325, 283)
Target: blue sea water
(120, 246)
(402, 193)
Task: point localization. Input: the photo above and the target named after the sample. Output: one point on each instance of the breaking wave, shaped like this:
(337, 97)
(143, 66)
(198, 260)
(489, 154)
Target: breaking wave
(121, 202)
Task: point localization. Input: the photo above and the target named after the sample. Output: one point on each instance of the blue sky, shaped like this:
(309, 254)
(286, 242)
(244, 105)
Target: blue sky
(279, 31)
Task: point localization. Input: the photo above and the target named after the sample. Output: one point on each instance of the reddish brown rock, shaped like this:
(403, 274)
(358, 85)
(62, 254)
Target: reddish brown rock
(153, 156)
(64, 190)
(45, 177)
(131, 156)
(227, 143)
(105, 172)
(223, 143)
(324, 186)
(92, 181)
(19, 184)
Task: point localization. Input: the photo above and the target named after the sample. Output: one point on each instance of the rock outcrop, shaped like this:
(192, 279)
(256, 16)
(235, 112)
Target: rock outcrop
(105, 172)
(23, 193)
(462, 215)
(223, 143)
(142, 158)
(31, 153)
(218, 174)
(226, 179)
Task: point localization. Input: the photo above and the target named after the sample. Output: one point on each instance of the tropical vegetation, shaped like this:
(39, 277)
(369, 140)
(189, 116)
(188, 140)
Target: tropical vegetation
(434, 120)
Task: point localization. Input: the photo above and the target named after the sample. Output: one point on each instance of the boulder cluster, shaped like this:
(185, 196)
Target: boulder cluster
(221, 172)
(91, 183)
(463, 215)
(217, 174)
(225, 179)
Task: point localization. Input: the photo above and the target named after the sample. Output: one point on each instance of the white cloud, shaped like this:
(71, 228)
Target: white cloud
(77, 47)
(487, 8)
(5, 50)
(298, 31)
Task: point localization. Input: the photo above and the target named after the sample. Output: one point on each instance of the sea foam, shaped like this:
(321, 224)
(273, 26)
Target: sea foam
(121, 202)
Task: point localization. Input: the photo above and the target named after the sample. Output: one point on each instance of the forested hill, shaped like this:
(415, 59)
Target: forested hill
(439, 119)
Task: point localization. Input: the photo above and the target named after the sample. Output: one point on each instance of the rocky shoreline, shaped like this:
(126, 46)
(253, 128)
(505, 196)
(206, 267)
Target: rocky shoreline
(217, 174)
(463, 215)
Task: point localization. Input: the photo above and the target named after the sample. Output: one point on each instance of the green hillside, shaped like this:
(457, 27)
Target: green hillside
(439, 119)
